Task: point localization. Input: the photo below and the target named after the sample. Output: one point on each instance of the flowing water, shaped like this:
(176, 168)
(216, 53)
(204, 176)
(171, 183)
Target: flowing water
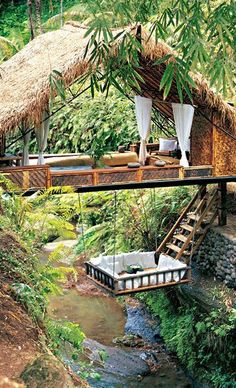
(102, 319)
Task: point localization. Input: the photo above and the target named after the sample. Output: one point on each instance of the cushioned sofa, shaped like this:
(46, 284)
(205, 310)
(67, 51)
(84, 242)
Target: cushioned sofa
(114, 159)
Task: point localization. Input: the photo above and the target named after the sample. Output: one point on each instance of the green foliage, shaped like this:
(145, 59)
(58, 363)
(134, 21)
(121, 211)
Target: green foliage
(37, 218)
(94, 126)
(202, 33)
(7, 48)
(204, 342)
(60, 332)
(31, 299)
(143, 218)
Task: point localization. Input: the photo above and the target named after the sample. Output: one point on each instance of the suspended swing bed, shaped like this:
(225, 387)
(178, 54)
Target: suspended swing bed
(170, 263)
(111, 272)
(133, 272)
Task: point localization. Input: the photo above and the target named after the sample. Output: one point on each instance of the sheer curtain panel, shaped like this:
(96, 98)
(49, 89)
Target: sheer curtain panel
(143, 109)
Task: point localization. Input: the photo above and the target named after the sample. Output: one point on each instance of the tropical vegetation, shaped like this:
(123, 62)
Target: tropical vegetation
(202, 34)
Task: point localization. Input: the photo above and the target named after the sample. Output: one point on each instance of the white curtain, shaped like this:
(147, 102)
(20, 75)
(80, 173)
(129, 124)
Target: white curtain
(41, 133)
(26, 140)
(143, 108)
(183, 116)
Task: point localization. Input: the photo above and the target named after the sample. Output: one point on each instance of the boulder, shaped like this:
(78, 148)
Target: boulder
(46, 371)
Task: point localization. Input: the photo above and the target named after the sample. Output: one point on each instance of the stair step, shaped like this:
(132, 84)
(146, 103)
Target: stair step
(180, 237)
(173, 247)
(195, 217)
(187, 227)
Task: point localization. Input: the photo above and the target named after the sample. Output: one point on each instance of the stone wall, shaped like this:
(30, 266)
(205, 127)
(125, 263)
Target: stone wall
(217, 253)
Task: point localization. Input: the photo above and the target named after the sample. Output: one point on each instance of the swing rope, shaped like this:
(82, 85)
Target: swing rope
(82, 226)
(115, 230)
(154, 212)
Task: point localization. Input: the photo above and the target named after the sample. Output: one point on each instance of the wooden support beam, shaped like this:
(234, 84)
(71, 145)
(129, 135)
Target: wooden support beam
(222, 186)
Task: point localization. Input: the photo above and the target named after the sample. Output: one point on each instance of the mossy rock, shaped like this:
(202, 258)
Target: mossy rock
(46, 371)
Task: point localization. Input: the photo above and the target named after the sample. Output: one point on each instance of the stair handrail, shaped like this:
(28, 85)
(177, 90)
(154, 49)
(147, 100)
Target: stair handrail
(198, 223)
(177, 223)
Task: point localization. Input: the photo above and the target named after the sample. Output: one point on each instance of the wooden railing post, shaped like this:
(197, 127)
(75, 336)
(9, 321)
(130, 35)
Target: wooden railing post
(222, 186)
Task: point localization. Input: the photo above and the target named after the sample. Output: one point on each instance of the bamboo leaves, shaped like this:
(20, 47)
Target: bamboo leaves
(57, 86)
(201, 32)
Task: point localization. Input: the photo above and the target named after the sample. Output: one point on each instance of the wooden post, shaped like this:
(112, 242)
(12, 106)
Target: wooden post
(222, 186)
(2, 144)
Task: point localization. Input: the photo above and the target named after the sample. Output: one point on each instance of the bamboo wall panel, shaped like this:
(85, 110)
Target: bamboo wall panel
(74, 180)
(29, 177)
(162, 173)
(198, 171)
(224, 153)
(119, 176)
(201, 147)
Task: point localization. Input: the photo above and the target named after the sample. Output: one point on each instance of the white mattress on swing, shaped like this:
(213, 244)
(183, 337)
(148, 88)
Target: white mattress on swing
(144, 259)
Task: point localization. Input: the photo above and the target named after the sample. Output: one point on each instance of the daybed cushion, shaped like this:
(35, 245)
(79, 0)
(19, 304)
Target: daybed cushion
(119, 159)
(112, 160)
(167, 144)
(165, 263)
(147, 261)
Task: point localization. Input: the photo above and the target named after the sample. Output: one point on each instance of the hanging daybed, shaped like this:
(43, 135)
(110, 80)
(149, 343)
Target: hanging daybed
(112, 272)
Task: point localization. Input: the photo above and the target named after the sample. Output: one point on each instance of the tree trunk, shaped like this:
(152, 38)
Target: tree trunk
(30, 17)
(62, 19)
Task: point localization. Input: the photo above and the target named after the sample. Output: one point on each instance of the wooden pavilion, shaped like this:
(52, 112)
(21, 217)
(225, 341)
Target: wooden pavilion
(24, 104)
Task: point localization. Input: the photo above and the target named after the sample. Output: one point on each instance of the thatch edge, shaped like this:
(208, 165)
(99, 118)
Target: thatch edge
(225, 113)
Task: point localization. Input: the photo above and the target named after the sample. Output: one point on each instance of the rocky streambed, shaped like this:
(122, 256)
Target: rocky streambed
(123, 342)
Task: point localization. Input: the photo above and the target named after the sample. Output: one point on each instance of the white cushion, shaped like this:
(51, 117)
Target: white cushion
(97, 260)
(132, 258)
(148, 259)
(167, 144)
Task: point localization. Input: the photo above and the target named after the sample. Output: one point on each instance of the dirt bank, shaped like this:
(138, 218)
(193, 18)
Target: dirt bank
(24, 357)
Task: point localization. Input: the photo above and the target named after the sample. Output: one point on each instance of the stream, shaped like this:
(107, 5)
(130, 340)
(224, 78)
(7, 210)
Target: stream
(126, 334)
(122, 331)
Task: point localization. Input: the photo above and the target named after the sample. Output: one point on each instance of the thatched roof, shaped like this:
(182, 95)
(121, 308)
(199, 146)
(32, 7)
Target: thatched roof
(25, 88)
(24, 82)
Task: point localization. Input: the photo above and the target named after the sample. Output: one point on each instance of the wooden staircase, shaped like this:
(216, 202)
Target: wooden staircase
(191, 227)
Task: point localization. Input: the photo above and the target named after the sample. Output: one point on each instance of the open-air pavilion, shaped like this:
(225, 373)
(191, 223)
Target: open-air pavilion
(205, 129)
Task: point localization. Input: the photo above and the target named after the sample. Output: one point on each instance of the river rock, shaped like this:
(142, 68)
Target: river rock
(140, 323)
(130, 340)
(116, 361)
(50, 247)
(46, 371)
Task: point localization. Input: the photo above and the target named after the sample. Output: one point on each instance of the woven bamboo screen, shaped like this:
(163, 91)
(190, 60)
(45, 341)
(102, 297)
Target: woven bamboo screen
(26, 178)
(201, 140)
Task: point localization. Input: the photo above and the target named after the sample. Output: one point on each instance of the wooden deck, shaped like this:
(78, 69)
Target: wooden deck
(33, 178)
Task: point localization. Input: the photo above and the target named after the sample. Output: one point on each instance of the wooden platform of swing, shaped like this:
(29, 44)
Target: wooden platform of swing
(111, 283)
